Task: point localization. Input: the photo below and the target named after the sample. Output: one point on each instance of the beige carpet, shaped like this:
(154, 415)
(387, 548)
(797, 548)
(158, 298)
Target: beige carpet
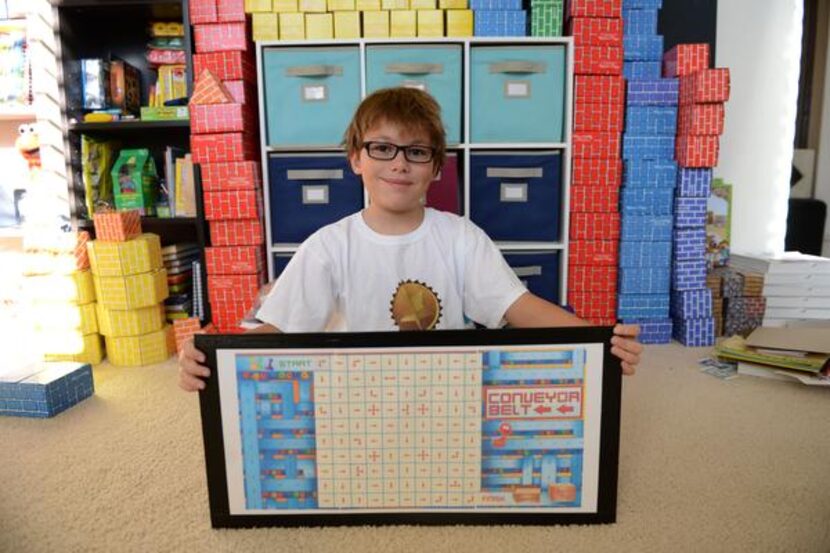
(706, 465)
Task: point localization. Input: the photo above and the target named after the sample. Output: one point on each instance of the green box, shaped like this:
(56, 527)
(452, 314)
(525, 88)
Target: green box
(165, 113)
(135, 181)
(546, 17)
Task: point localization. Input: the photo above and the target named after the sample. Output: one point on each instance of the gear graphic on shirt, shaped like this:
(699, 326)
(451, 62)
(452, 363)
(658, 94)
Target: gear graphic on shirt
(415, 306)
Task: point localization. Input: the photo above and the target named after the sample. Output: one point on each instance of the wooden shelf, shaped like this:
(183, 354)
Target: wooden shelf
(129, 125)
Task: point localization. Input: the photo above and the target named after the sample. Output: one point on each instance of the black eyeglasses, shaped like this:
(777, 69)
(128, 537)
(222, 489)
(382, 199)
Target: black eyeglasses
(385, 151)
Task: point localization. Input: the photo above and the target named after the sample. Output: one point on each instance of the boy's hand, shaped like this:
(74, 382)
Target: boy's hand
(624, 345)
(191, 370)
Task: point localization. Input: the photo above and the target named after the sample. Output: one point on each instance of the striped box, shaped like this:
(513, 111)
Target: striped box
(233, 204)
(242, 232)
(234, 260)
(495, 5)
(695, 332)
(594, 8)
(230, 10)
(648, 147)
(183, 329)
(595, 226)
(598, 117)
(689, 244)
(234, 288)
(62, 316)
(593, 305)
(130, 322)
(227, 316)
(594, 199)
(222, 118)
(644, 280)
(694, 183)
(691, 304)
(689, 212)
(227, 66)
(639, 22)
(648, 173)
(646, 201)
(218, 148)
(596, 31)
(545, 17)
(146, 349)
(685, 59)
(643, 47)
(596, 172)
(697, 151)
(643, 306)
(117, 226)
(659, 92)
(593, 278)
(497, 23)
(653, 228)
(708, 86)
(599, 89)
(641, 70)
(593, 252)
(596, 145)
(131, 292)
(221, 37)
(642, 4)
(238, 175)
(701, 119)
(651, 120)
(653, 331)
(688, 275)
(641, 253)
(202, 11)
(598, 60)
(76, 287)
(43, 390)
(140, 255)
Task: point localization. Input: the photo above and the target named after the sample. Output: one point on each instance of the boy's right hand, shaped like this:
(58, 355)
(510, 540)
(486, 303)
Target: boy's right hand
(191, 370)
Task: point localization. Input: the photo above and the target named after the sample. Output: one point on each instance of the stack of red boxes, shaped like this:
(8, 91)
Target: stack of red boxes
(599, 103)
(224, 143)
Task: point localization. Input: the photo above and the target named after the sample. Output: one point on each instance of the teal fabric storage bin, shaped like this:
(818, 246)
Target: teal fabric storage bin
(435, 68)
(310, 94)
(517, 93)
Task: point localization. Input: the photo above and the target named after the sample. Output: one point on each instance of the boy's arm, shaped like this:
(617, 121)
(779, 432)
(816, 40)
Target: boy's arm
(264, 328)
(532, 311)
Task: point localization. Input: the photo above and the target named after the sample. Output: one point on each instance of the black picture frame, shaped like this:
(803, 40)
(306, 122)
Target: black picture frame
(608, 421)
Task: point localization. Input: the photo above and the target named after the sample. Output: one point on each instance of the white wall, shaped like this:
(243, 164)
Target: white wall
(822, 174)
(760, 42)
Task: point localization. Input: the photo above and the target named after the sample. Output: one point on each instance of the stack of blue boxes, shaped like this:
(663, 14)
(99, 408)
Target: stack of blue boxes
(498, 18)
(646, 200)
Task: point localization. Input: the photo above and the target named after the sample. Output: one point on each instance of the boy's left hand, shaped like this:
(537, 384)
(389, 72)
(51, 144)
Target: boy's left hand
(624, 345)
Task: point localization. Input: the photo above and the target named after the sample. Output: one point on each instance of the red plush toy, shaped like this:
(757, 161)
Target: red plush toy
(28, 144)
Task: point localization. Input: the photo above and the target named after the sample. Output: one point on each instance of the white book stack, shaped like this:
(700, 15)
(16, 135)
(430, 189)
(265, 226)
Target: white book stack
(796, 287)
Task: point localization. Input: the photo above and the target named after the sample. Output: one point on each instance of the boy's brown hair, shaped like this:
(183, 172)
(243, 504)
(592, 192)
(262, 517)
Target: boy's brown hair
(410, 108)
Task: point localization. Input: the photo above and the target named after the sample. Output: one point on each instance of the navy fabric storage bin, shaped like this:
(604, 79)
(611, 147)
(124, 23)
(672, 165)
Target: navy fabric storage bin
(309, 191)
(280, 262)
(516, 195)
(539, 271)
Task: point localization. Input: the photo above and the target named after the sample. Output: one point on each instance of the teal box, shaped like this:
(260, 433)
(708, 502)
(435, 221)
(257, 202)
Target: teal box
(517, 94)
(310, 94)
(435, 68)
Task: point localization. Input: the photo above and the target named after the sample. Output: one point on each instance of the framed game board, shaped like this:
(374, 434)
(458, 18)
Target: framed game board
(516, 426)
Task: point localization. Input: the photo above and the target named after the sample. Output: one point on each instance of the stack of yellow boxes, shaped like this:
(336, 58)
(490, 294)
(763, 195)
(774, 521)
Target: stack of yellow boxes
(131, 285)
(351, 19)
(60, 297)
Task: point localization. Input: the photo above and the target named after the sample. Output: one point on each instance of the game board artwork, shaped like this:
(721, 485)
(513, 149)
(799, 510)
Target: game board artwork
(441, 429)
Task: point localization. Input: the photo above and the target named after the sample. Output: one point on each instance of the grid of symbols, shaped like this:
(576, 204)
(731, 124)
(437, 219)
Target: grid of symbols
(399, 430)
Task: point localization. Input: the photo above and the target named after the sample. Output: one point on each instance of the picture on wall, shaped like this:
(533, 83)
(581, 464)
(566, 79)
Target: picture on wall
(517, 426)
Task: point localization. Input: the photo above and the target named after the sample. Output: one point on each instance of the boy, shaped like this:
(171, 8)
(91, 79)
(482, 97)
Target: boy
(397, 265)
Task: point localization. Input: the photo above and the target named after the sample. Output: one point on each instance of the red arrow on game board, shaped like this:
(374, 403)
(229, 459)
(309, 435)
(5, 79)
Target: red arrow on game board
(564, 409)
(542, 409)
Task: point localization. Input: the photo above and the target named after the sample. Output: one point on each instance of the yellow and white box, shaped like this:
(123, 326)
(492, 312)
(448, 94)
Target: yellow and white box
(130, 322)
(402, 24)
(347, 24)
(367, 5)
(76, 287)
(132, 291)
(146, 349)
(57, 316)
(422, 4)
(430, 23)
(394, 4)
(257, 6)
(292, 26)
(72, 346)
(139, 255)
(285, 6)
(376, 24)
(459, 22)
(319, 26)
(341, 5)
(313, 6)
(265, 26)
(453, 4)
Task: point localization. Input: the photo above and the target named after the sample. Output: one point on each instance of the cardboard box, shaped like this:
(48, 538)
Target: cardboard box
(595, 226)
(225, 260)
(594, 8)
(701, 119)
(117, 226)
(183, 329)
(598, 117)
(244, 232)
(430, 23)
(313, 6)
(591, 278)
(453, 4)
(74, 347)
(228, 315)
(75, 288)
(234, 288)
(602, 145)
(593, 305)
(133, 291)
(130, 322)
(233, 204)
(146, 349)
(258, 6)
(222, 147)
(402, 24)
(238, 175)
(139, 255)
(164, 113)
(595, 199)
(58, 316)
(221, 37)
(596, 31)
(292, 26)
(697, 151)
(596, 172)
(685, 59)
(319, 26)
(286, 6)
(599, 89)
(202, 11)
(230, 10)
(593, 252)
(375, 24)
(367, 5)
(459, 22)
(135, 181)
(226, 66)
(222, 118)
(598, 60)
(265, 26)
(707, 86)
(347, 24)
(43, 390)
(340, 5)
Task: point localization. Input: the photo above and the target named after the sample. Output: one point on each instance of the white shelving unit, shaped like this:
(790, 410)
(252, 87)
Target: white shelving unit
(463, 149)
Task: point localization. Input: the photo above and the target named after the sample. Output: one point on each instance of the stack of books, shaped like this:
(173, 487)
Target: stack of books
(796, 287)
(178, 260)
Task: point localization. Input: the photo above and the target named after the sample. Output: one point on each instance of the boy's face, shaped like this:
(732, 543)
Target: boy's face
(396, 186)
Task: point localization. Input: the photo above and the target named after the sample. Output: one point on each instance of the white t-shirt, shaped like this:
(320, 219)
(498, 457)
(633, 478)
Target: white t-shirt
(348, 277)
